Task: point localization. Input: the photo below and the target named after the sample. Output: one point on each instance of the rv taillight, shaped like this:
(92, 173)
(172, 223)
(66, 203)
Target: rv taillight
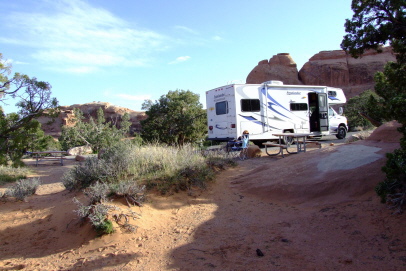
(233, 125)
(210, 128)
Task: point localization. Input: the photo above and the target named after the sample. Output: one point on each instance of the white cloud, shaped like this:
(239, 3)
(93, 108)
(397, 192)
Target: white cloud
(186, 29)
(180, 59)
(217, 38)
(72, 33)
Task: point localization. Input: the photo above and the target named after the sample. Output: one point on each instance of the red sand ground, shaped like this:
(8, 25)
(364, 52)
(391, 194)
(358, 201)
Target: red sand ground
(299, 211)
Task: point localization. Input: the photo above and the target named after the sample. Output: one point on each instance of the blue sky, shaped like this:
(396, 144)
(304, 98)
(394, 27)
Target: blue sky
(126, 51)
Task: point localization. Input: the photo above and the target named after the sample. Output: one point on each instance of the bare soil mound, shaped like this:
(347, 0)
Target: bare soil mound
(310, 211)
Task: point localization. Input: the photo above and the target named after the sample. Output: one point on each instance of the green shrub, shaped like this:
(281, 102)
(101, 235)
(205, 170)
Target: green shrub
(130, 190)
(97, 214)
(120, 159)
(86, 173)
(23, 188)
(98, 192)
(367, 103)
(393, 189)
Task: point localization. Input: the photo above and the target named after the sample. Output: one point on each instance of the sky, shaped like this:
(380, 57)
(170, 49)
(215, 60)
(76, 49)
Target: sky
(126, 51)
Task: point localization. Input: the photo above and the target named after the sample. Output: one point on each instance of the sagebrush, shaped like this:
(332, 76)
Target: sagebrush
(23, 188)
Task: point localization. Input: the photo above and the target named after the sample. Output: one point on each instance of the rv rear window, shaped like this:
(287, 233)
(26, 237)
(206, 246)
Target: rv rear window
(250, 105)
(222, 108)
(298, 107)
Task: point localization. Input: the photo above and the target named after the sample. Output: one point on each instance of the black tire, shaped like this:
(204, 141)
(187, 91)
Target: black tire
(341, 132)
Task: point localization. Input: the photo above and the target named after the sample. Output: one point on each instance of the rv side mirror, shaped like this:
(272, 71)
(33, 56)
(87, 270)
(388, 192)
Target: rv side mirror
(340, 110)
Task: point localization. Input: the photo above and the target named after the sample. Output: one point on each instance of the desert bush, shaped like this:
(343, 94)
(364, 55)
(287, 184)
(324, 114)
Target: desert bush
(11, 174)
(393, 189)
(120, 158)
(86, 173)
(130, 190)
(97, 214)
(97, 192)
(23, 188)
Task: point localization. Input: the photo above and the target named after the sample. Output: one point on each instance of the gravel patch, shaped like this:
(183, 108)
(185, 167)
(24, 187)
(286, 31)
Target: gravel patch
(341, 160)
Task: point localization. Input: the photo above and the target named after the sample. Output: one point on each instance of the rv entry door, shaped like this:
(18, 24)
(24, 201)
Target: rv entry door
(318, 106)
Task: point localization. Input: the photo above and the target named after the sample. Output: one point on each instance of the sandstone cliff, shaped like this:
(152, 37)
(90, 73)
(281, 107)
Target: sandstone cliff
(328, 68)
(111, 113)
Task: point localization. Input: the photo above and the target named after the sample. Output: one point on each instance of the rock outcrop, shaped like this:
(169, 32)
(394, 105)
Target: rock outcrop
(111, 113)
(327, 68)
(280, 67)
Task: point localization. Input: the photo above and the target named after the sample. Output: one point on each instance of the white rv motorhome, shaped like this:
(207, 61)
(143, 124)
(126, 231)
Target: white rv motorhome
(272, 107)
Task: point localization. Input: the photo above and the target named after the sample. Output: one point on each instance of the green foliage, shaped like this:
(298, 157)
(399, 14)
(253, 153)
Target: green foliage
(20, 132)
(23, 188)
(391, 85)
(97, 133)
(176, 118)
(368, 104)
(393, 189)
(16, 142)
(376, 22)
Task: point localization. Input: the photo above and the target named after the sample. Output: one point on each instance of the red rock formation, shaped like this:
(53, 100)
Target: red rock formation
(280, 67)
(327, 68)
(338, 69)
(111, 113)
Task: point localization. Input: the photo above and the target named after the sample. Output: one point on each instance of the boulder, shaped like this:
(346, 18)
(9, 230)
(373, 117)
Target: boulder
(80, 158)
(254, 151)
(280, 67)
(80, 150)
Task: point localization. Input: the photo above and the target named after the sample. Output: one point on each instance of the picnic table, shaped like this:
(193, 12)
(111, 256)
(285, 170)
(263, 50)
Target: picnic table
(298, 138)
(49, 155)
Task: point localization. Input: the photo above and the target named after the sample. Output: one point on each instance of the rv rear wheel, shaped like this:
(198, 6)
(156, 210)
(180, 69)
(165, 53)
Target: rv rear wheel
(341, 132)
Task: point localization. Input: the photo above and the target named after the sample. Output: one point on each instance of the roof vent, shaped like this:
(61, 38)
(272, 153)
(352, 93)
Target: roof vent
(274, 83)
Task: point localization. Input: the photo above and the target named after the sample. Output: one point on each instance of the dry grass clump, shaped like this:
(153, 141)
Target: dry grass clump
(10, 174)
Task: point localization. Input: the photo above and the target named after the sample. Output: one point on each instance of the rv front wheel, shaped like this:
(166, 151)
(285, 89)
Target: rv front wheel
(341, 132)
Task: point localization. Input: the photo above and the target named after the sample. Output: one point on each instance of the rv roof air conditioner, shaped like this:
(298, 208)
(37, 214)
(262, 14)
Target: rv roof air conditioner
(273, 82)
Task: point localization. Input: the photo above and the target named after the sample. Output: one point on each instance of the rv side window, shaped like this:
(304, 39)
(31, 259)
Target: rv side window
(298, 107)
(250, 105)
(332, 93)
(222, 108)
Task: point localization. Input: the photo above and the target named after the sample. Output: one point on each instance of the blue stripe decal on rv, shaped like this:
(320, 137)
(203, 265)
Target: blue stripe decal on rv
(270, 105)
(254, 120)
(333, 98)
(221, 128)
